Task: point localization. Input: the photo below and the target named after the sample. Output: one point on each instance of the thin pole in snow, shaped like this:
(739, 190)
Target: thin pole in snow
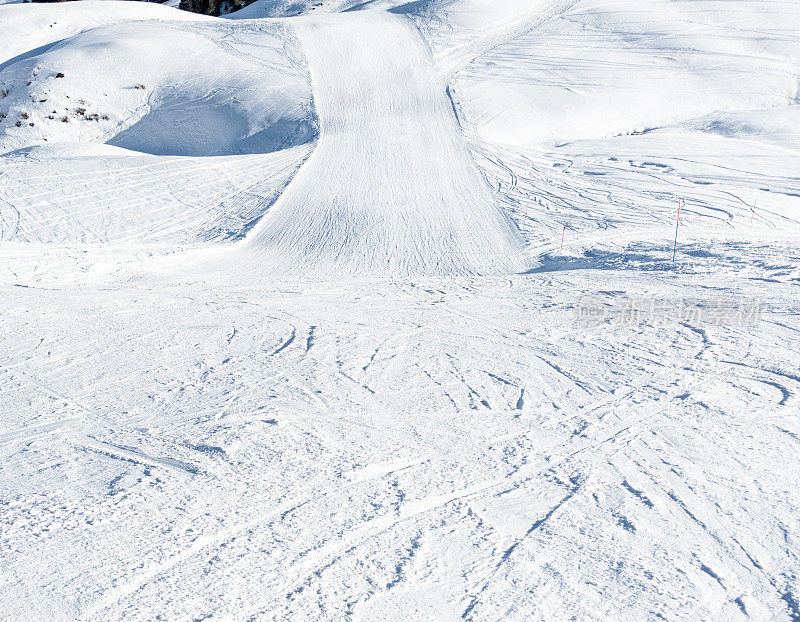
(752, 213)
(677, 221)
(563, 231)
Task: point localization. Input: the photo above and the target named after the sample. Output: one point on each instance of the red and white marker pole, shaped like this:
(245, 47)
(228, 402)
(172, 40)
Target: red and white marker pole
(677, 221)
(563, 231)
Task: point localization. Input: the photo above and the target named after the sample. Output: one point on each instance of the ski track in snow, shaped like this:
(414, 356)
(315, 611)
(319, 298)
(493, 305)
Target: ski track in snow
(390, 189)
(313, 486)
(333, 417)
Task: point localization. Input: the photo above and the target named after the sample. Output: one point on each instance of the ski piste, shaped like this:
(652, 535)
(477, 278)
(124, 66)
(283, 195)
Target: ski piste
(292, 327)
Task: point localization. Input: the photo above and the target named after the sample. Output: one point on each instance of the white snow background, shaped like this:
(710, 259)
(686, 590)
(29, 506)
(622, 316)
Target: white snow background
(289, 311)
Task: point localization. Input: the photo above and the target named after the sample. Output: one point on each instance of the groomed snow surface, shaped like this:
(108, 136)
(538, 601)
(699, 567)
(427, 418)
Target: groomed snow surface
(289, 311)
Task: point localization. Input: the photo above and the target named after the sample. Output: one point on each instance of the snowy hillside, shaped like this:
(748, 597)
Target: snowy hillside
(623, 106)
(165, 88)
(438, 310)
(163, 100)
(630, 67)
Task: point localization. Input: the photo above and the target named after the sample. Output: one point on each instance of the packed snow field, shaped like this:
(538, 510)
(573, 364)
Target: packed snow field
(291, 310)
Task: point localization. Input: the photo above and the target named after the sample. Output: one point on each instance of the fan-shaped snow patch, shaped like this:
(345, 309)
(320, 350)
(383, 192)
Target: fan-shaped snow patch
(390, 189)
(169, 88)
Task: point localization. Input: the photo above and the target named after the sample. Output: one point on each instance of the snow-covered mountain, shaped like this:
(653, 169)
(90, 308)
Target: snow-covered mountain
(443, 309)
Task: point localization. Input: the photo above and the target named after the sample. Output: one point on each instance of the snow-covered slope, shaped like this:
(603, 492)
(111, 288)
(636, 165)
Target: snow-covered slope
(215, 89)
(78, 193)
(390, 189)
(289, 8)
(214, 404)
(29, 29)
(602, 70)
(596, 124)
(176, 87)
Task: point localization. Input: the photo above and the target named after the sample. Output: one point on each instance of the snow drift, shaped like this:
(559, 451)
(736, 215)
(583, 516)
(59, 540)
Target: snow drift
(171, 88)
